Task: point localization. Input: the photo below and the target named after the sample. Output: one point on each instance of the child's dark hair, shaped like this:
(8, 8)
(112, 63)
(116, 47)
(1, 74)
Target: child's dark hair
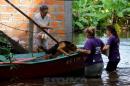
(112, 29)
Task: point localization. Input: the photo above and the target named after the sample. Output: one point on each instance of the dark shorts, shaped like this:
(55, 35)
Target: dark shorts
(112, 65)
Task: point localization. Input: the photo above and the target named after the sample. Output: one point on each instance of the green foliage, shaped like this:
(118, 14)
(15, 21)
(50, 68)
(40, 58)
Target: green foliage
(79, 18)
(118, 28)
(5, 45)
(99, 12)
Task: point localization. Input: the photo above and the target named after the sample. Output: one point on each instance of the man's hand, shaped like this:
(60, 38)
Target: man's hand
(41, 36)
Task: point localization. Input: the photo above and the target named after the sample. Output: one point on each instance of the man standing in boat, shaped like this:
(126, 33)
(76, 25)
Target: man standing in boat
(40, 38)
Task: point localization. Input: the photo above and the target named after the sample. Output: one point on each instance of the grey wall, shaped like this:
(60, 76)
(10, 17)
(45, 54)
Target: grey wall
(68, 20)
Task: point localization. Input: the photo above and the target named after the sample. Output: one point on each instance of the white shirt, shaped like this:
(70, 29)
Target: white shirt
(42, 22)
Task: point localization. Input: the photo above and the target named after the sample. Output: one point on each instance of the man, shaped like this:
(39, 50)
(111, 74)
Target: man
(40, 38)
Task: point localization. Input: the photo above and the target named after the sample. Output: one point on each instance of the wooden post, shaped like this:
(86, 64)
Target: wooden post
(68, 20)
(30, 40)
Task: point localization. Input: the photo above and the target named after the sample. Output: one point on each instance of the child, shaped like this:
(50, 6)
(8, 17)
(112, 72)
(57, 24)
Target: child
(64, 47)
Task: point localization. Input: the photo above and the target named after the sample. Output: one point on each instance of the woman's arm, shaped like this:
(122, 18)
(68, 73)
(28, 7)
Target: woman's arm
(84, 51)
(106, 47)
(105, 50)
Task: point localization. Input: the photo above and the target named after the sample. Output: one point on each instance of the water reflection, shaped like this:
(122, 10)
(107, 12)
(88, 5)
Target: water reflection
(113, 78)
(95, 82)
(118, 78)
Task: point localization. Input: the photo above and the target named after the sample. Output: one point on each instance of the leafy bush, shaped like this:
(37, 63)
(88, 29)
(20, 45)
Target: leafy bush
(99, 13)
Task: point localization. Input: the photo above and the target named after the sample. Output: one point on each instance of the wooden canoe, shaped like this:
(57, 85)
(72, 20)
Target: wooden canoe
(27, 66)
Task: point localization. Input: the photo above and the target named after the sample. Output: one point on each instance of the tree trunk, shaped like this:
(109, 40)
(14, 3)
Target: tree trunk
(114, 18)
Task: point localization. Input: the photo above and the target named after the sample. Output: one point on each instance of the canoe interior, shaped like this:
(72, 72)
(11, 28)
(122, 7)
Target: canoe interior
(31, 58)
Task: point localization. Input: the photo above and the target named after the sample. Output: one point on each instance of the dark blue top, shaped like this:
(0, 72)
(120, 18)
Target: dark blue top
(114, 54)
(95, 45)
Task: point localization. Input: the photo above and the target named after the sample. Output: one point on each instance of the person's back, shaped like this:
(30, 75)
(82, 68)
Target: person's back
(92, 54)
(95, 45)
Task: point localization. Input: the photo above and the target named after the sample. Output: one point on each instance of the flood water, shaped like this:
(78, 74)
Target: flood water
(118, 78)
(79, 39)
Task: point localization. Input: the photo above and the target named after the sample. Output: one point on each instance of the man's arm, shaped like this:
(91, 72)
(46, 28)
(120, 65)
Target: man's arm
(46, 27)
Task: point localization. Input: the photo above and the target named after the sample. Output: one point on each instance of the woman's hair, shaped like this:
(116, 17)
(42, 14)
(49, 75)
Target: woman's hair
(112, 29)
(43, 7)
(90, 31)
